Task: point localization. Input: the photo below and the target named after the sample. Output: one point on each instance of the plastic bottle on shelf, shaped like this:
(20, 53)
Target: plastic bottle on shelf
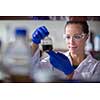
(17, 57)
(89, 45)
(97, 42)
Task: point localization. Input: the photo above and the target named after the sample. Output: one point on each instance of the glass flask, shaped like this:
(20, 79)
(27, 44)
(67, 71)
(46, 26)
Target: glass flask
(47, 43)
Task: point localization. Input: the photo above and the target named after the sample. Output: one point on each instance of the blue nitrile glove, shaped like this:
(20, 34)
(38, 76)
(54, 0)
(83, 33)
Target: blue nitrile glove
(39, 34)
(61, 62)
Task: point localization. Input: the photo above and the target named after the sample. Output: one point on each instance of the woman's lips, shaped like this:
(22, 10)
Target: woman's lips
(72, 47)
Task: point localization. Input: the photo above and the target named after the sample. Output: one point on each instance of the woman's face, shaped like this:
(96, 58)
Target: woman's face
(75, 38)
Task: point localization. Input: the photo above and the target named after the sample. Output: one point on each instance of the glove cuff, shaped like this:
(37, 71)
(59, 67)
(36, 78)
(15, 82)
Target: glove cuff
(35, 41)
(69, 71)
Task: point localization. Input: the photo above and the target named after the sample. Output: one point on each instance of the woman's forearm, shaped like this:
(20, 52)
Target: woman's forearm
(34, 48)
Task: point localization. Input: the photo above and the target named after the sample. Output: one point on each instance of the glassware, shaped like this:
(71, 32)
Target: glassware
(47, 43)
(17, 57)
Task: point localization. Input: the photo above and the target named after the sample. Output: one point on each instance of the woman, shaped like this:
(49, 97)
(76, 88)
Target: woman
(74, 64)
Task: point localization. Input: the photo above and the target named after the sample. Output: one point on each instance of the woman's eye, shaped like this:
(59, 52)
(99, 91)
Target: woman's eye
(77, 37)
(68, 37)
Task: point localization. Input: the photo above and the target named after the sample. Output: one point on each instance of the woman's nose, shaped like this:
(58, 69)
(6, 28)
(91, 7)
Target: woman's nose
(71, 40)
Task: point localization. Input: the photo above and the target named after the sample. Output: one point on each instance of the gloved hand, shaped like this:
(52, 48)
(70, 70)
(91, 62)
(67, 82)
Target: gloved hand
(39, 34)
(61, 62)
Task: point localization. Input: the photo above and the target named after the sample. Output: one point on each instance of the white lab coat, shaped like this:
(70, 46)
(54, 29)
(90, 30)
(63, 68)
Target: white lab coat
(88, 70)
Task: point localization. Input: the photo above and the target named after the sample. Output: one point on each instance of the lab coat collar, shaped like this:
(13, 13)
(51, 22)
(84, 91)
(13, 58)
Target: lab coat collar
(89, 60)
(86, 61)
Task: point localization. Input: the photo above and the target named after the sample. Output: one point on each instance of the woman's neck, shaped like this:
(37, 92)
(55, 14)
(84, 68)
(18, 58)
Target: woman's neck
(77, 58)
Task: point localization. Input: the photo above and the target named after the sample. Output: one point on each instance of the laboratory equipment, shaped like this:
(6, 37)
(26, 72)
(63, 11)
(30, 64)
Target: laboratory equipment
(47, 43)
(17, 57)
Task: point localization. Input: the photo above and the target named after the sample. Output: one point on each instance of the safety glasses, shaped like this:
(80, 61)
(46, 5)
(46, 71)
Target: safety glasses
(75, 37)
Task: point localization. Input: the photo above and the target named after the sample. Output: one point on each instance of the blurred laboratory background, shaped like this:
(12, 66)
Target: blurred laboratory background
(55, 25)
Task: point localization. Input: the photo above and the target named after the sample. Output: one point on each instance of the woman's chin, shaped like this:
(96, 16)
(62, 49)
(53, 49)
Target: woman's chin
(73, 51)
